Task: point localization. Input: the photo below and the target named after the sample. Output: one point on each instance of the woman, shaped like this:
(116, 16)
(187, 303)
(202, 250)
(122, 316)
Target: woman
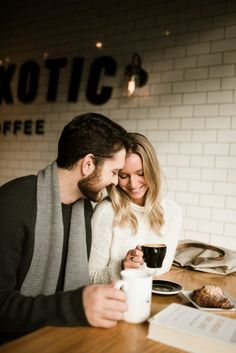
(133, 214)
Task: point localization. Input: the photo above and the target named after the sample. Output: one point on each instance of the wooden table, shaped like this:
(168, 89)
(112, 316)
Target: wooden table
(125, 338)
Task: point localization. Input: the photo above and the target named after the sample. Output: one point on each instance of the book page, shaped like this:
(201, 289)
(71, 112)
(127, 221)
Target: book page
(195, 321)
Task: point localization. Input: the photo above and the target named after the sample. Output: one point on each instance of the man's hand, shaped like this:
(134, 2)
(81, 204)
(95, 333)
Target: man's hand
(104, 305)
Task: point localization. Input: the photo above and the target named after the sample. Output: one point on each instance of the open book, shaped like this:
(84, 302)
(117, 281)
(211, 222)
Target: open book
(193, 330)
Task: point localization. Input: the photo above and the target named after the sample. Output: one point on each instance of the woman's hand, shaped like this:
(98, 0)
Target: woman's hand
(133, 259)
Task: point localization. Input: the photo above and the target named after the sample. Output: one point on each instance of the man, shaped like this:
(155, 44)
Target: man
(45, 234)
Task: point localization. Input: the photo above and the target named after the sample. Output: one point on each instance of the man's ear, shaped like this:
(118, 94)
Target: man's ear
(87, 165)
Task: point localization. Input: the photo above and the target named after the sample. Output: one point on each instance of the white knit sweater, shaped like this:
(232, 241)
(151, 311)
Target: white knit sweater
(111, 244)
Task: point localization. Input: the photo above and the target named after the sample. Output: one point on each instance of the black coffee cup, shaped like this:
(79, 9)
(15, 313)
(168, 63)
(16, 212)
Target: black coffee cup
(153, 254)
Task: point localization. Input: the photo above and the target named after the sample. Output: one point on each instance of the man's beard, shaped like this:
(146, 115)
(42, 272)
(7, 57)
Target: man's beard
(88, 186)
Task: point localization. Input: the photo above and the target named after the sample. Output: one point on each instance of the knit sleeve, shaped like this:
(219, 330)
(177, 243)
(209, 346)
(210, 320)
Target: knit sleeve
(171, 233)
(101, 269)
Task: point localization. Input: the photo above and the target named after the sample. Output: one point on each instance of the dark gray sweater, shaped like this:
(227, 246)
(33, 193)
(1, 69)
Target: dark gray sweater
(19, 314)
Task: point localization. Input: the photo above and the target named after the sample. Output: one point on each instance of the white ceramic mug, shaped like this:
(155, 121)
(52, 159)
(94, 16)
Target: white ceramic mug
(137, 285)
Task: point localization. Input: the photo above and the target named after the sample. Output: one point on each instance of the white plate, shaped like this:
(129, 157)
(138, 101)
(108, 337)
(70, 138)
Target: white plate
(165, 287)
(187, 294)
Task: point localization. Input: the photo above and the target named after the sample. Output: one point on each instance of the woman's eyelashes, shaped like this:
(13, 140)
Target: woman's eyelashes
(122, 176)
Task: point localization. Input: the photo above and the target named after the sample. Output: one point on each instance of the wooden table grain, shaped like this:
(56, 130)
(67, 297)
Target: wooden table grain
(125, 338)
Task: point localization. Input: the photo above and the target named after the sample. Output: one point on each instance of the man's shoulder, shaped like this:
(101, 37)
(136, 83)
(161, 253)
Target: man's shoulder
(19, 187)
(20, 181)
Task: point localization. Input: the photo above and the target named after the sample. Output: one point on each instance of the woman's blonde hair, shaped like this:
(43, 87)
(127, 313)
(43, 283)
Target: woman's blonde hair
(152, 174)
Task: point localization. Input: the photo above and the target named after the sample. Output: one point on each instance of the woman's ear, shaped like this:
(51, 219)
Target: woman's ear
(87, 165)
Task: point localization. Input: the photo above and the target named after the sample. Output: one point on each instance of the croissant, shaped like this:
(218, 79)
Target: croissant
(211, 297)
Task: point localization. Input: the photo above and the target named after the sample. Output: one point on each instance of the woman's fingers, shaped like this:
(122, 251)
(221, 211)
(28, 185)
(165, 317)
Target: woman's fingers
(133, 259)
(136, 255)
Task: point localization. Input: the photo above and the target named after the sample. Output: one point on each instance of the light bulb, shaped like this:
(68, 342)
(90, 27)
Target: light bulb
(131, 85)
(99, 45)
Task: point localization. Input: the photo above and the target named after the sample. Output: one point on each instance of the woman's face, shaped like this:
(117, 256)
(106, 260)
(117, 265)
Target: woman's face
(132, 180)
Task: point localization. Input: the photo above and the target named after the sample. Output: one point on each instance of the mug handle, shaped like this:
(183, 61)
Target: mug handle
(121, 284)
(144, 259)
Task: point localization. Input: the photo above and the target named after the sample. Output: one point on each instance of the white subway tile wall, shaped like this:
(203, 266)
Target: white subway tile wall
(187, 108)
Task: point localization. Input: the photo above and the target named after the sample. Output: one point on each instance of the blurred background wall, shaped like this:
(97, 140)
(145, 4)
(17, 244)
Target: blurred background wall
(187, 108)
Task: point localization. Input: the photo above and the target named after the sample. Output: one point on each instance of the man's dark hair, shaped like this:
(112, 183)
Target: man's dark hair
(90, 133)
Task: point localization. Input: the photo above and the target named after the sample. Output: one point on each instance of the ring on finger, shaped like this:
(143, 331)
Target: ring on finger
(132, 258)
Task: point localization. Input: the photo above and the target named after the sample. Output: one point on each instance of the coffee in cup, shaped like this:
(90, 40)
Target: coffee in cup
(153, 254)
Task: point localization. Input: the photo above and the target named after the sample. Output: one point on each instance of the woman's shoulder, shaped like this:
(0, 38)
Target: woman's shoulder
(103, 207)
(173, 216)
(171, 207)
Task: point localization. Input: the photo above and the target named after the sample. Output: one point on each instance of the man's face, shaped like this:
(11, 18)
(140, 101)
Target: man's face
(104, 175)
